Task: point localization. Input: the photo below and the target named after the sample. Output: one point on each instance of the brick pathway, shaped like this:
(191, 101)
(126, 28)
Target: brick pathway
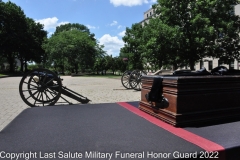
(99, 90)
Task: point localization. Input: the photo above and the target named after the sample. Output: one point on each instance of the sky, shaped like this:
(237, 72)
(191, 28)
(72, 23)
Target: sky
(107, 19)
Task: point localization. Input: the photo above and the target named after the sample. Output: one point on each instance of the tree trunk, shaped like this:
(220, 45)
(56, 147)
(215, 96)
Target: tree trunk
(160, 65)
(191, 64)
(62, 69)
(76, 68)
(175, 67)
(11, 59)
(97, 71)
(25, 65)
(191, 58)
(21, 68)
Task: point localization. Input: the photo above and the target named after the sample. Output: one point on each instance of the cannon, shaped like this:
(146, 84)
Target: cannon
(132, 79)
(42, 87)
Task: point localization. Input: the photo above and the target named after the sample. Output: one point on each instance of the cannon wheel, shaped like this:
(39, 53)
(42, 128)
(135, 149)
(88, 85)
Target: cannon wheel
(125, 79)
(135, 79)
(40, 87)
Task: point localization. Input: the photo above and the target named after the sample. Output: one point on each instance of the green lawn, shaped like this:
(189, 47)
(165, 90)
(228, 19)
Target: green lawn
(101, 76)
(2, 74)
(10, 74)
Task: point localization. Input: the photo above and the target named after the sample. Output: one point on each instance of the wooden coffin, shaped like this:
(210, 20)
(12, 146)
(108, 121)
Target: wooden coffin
(195, 100)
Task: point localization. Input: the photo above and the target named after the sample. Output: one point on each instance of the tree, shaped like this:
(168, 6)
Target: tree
(55, 53)
(99, 64)
(20, 37)
(73, 26)
(11, 17)
(199, 24)
(114, 65)
(73, 46)
(100, 53)
(31, 47)
(227, 31)
(100, 58)
(133, 46)
(110, 63)
(161, 44)
(66, 49)
(121, 64)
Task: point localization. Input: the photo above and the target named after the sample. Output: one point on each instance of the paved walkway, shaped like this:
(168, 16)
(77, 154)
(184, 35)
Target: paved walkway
(99, 90)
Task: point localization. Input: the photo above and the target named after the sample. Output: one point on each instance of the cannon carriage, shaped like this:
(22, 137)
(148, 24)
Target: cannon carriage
(42, 87)
(132, 79)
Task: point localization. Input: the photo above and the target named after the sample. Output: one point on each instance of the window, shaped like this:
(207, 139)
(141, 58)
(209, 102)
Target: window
(147, 15)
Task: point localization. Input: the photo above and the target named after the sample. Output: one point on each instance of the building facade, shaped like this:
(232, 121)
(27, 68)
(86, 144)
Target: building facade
(147, 15)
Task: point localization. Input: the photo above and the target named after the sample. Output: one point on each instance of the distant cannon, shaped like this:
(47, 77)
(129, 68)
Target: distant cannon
(132, 79)
(42, 87)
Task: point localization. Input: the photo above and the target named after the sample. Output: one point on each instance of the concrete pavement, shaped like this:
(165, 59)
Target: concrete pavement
(99, 90)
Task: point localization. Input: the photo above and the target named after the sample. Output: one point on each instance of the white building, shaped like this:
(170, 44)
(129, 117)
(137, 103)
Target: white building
(147, 15)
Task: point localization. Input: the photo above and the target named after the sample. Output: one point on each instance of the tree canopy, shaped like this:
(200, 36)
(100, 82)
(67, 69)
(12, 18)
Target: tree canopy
(183, 32)
(200, 23)
(133, 46)
(73, 26)
(76, 47)
(20, 36)
(11, 17)
(72, 46)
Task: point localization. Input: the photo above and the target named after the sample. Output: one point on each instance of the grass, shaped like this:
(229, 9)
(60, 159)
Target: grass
(101, 76)
(108, 75)
(2, 75)
(11, 74)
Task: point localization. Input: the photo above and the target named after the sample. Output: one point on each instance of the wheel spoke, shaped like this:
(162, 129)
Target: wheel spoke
(50, 81)
(40, 95)
(55, 92)
(56, 86)
(46, 95)
(32, 94)
(126, 82)
(42, 98)
(30, 84)
(40, 86)
(49, 91)
(36, 98)
(31, 89)
(52, 92)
